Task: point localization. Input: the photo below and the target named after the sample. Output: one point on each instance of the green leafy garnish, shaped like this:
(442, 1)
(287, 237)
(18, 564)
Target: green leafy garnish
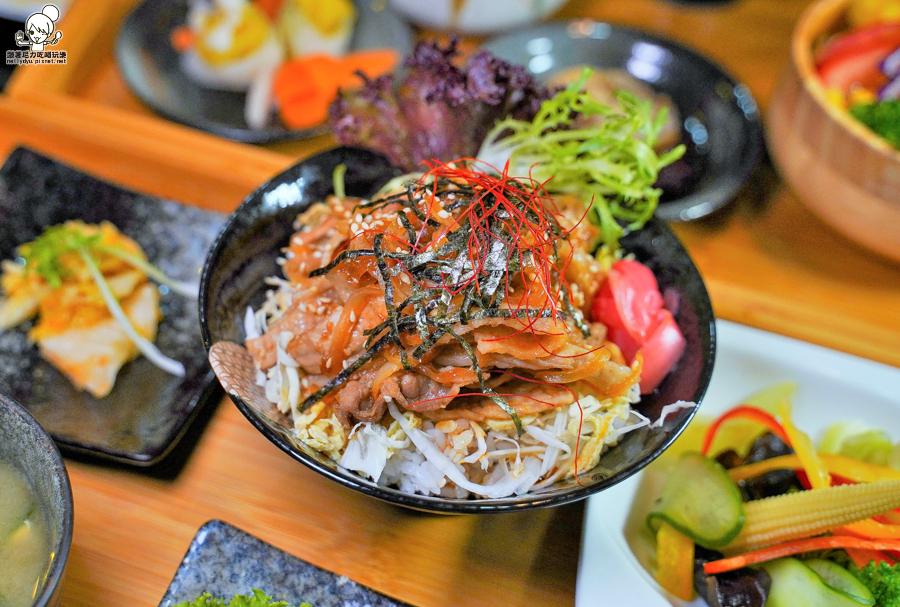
(613, 166)
(44, 254)
(883, 118)
(883, 580)
(258, 599)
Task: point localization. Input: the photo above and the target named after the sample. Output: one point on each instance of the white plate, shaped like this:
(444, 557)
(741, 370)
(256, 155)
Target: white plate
(832, 386)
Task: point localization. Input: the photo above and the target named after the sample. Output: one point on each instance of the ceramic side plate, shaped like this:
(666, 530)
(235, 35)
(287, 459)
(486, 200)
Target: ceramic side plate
(719, 118)
(148, 410)
(151, 68)
(831, 387)
(225, 561)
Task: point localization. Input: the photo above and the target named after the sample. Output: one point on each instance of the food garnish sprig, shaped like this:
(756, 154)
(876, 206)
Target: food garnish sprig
(44, 256)
(465, 237)
(613, 166)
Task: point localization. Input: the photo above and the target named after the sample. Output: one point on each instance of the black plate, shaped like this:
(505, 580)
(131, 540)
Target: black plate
(720, 121)
(151, 69)
(148, 410)
(244, 255)
(225, 561)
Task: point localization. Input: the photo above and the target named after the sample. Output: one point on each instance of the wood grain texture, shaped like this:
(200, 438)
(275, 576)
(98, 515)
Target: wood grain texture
(768, 262)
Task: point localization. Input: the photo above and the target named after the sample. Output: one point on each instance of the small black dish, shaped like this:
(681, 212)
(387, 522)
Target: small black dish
(719, 117)
(225, 561)
(151, 68)
(148, 410)
(244, 255)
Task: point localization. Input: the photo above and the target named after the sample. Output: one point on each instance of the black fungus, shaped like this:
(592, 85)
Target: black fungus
(744, 587)
(767, 446)
(729, 459)
(776, 482)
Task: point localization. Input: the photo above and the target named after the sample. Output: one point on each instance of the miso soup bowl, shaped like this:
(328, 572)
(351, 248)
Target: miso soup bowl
(31, 451)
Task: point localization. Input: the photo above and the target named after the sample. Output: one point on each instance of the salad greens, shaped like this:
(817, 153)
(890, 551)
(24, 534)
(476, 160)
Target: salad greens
(883, 118)
(883, 580)
(258, 599)
(860, 441)
(613, 166)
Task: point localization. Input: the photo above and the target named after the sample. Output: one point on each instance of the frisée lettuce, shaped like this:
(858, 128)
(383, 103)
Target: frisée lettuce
(613, 166)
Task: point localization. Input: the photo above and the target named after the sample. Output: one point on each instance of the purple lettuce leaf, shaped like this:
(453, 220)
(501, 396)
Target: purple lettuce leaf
(436, 110)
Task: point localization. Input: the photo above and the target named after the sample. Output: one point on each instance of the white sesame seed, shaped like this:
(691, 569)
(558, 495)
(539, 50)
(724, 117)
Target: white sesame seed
(359, 218)
(352, 316)
(304, 382)
(320, 310)
(302, 307)
(404, 279)
(346, 363)
(443, 214)
(317, 254)
(325, 300)
(328, 364)
(354, 227)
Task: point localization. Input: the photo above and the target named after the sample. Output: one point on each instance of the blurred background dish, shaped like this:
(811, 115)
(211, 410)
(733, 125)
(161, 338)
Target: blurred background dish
(245, 254)
(475, 16)
(35, 511)
(155, 70)
(717, 120)
(843, 171)
(20, 10)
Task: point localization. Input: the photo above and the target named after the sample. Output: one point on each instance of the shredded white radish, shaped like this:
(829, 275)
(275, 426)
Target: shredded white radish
(672, 408)
(509, 485)
(251, 329)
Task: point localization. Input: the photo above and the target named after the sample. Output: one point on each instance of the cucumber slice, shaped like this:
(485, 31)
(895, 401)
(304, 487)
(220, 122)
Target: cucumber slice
(796, 585)
(841, 580)
(701, 501)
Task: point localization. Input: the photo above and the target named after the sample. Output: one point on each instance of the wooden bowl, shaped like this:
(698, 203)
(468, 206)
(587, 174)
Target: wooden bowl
(846, 174)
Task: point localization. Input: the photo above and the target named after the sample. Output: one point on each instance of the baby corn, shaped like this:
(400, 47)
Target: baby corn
(807, 513)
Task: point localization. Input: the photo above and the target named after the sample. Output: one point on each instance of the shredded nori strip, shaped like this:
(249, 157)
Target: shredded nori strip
(481, 275)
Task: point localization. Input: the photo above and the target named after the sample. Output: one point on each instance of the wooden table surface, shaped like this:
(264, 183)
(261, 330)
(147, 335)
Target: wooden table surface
(768, 262)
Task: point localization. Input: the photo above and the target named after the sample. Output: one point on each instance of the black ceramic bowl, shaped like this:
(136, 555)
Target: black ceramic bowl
(29, 449)
(244, 255)
(719, 118)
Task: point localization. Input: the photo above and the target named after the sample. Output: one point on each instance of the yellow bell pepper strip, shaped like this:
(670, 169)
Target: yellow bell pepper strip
(675, 562)
(839, 465)
(825, 542)
(748, 413)
(872, 529)
(815, 469)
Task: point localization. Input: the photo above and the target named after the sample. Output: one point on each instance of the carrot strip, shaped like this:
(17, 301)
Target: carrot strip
(796, 547)
(744, 412)
(182, 38)
(862, 557)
